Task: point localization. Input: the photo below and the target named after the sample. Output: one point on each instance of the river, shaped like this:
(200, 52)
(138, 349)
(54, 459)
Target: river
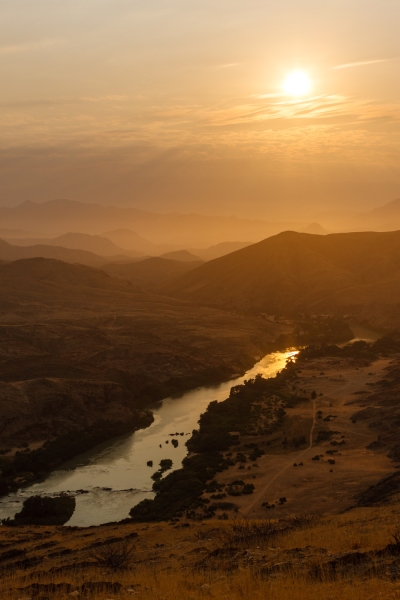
(121, 463)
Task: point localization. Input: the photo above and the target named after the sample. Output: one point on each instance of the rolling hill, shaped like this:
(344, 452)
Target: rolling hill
(152, 273)
(181, 255)
(356, 273)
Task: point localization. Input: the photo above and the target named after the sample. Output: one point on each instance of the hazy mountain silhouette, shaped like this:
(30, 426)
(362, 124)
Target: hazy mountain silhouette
(130, 240)
(220, 249)
(176, 230)
(152, 273)
(183, 230)
(15, 233)
(316, 228)
(302, 272)
(384, 218)
(10, 252)
(381, 218)
(79, 241)
(181, 255)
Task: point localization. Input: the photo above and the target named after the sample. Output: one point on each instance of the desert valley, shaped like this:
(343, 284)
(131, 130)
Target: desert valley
(280, 363)
(199, 300)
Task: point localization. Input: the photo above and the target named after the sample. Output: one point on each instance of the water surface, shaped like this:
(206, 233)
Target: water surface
(121, 463)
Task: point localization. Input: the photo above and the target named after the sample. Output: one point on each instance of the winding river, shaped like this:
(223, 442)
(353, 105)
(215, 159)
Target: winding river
(114, 476)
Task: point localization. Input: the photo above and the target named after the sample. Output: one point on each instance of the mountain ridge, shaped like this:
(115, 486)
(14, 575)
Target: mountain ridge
(300, 272)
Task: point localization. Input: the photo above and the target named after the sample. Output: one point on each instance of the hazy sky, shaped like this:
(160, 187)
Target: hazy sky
(178, 105)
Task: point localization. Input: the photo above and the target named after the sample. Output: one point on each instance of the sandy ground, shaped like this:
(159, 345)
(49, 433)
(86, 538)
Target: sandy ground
(318, 486)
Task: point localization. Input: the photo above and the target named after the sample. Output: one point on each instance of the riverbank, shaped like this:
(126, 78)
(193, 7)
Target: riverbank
(27, 466)
(24, 465)
(313, 435)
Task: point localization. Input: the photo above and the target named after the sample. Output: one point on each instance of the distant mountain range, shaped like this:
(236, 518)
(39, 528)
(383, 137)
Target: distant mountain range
(382, 218)
(357, 273)
(58, 217)
(173, 231)
(128, 233)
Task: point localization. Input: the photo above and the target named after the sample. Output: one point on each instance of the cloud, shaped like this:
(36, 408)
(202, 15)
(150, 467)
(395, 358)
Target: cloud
(273, 95)
(361, 63)
(228, 65)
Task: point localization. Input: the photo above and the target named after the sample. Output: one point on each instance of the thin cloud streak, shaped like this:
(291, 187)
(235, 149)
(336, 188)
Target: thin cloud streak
(361, 63)
(272, 95)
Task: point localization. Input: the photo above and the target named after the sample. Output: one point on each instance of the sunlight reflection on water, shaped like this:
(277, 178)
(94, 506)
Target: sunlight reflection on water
(120, 464)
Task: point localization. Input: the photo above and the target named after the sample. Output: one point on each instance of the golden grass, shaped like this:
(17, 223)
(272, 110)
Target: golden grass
(166, 562)
(191, 585)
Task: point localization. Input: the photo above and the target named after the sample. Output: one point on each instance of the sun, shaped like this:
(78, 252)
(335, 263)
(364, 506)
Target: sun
(297, 84)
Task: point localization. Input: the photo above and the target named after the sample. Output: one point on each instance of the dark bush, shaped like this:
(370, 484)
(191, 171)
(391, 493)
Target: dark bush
(38, 510)
(114, 556)
(165, 464)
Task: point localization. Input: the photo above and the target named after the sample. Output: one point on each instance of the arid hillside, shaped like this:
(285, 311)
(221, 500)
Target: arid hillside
(356, 273)
(77, 345)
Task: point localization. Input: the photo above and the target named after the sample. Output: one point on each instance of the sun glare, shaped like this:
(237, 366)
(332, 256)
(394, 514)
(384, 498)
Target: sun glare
(297, 84)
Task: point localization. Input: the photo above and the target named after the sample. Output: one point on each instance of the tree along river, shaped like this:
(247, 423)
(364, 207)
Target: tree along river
(115, 476)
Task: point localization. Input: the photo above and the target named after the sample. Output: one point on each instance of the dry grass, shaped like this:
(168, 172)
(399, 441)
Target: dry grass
(191, 585)
(180, 563)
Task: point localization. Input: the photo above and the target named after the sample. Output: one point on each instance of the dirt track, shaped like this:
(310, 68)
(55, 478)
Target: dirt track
(318, 485)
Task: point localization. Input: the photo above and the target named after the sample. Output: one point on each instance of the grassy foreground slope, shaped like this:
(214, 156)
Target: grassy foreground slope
(356, 273)
(348, 557)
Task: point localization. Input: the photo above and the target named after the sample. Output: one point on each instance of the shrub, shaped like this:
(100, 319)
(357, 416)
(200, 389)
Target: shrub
(165, 464)
(37, 510)
(113, 556)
